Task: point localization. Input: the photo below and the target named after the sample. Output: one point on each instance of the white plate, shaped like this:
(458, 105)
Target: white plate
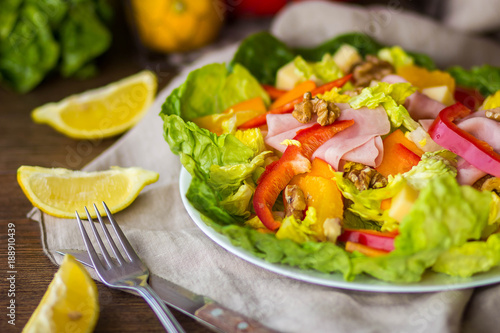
(430, 282)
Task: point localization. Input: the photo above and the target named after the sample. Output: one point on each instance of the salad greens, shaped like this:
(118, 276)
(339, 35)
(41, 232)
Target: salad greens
(212, 89)
(445, 215)
(484, 78)
(263, 54)
(446, 229)
(38, 37)
(298, 231)
(396, 56)
(391, 97)
(325, 70)
(366, 204)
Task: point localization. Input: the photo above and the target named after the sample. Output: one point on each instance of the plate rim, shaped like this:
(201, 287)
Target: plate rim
(366, 283)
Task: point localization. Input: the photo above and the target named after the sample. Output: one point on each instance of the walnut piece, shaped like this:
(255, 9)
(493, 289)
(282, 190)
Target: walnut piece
(493, 114)
(327, 112)
(371, 69)
(303, 111)
(295, 203)
(364, 177)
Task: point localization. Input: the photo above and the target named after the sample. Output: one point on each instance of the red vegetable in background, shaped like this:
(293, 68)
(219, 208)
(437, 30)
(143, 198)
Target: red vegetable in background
(295, 160)
(471, 98)
(450, 136)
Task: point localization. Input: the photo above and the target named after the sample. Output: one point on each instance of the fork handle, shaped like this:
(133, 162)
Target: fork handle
(162, 312)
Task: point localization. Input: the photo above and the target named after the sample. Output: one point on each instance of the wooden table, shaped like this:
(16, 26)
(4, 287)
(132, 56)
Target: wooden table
(22, 142)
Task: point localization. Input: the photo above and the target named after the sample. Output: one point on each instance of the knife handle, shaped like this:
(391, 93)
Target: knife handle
(230, 321)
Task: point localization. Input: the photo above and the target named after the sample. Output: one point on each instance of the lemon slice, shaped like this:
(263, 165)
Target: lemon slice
(59, 192)
(70, 304)
(101, 112)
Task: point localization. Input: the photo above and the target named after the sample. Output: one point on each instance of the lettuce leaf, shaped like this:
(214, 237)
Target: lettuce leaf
(223, 169)
(321, 72)
(26, 58)
(263, 54)
(212, 89)
(366, 204)
(445, 215)
(298, 231)
(396, 56)
(391, 96)
(202, 146)
(470, 258)
(484, 78)
(431, 165)
(324, 257)
(363, 43)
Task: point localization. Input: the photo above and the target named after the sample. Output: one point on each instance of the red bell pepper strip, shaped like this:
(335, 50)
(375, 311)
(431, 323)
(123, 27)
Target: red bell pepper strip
(288, 107)
(295, 160)
(374, 239)
(273, 92)
(447, 134)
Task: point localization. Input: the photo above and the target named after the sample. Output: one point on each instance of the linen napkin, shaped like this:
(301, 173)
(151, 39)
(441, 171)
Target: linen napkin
(173, 247)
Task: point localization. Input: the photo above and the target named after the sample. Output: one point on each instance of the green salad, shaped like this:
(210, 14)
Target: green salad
(352, 157)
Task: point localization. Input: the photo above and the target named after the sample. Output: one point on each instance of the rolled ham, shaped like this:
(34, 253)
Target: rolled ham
(358, 143)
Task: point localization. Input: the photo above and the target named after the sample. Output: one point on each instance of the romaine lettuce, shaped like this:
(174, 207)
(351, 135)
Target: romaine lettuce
(366, 203)
(212, 89)
(470, 258)
(396, 56)
(298, 231)
(445, 215)
(431, 165)
(391, 96)
(321, 72)
(484, 78)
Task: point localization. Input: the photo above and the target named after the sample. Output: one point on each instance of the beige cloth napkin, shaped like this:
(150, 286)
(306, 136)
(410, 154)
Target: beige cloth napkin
(173, 247)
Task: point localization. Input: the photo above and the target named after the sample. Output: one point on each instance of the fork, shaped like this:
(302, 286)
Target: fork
(129, 274)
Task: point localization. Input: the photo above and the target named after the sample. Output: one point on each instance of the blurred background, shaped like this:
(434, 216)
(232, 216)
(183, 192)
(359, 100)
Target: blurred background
(42, 41)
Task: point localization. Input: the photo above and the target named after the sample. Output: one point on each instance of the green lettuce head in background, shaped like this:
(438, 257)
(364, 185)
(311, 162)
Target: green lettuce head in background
(38, 37)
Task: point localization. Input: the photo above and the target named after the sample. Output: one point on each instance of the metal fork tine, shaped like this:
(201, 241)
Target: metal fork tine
(88, 244)
(129, 250)
(112, 244)
(104, 252)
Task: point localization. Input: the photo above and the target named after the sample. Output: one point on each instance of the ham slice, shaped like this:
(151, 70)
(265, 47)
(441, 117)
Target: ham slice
(282, 127)
(419, 106)
(359, 142)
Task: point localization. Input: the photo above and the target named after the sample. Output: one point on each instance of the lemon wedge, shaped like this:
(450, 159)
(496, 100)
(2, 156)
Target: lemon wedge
(101, 112)
(60, 192)
(70, 304)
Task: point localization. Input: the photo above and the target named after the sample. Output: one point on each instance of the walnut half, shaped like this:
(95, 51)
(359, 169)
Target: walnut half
(364, 177)
(295, 203)
(371, 69)
(327, 112)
